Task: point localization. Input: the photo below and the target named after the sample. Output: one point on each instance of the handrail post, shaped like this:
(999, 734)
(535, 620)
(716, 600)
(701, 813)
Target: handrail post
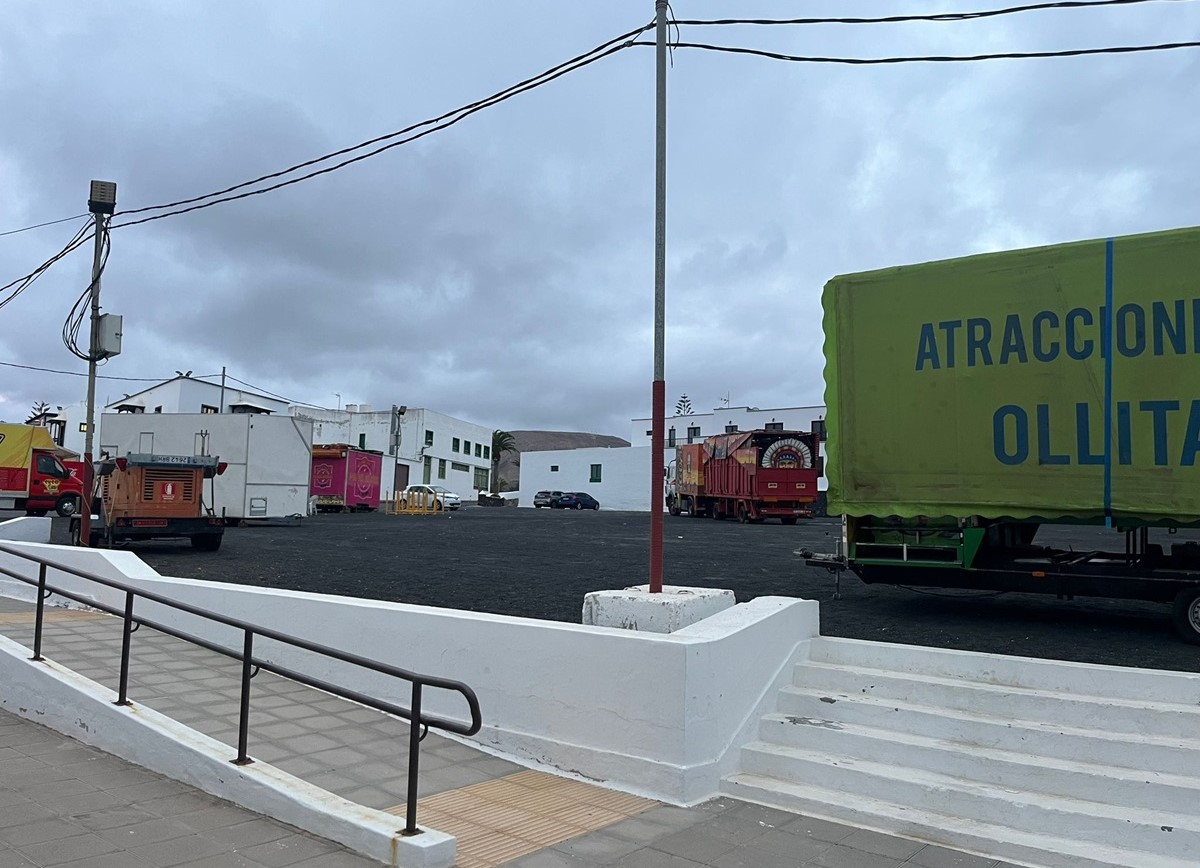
(41, 605)
(244, 721)
(122, 697)
(414, 755)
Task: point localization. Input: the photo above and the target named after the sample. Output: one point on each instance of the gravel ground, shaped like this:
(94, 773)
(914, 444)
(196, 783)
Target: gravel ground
(540, 563)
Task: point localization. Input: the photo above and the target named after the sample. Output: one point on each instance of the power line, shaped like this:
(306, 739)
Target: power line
(942, 16)
(25, 281)
(867, 61)
(40, 225)
(441, 122)
(82, 373)
(259, 389)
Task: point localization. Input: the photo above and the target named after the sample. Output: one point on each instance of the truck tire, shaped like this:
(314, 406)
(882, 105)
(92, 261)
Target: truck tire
(208, 542)
(36, 513)
(76, 532)
(67, 506)
(1186, 615)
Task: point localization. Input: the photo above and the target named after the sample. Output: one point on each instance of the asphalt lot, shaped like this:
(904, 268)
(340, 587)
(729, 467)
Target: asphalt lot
(540, 563)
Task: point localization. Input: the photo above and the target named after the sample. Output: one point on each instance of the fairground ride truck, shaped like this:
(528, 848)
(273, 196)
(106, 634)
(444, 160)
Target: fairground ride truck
(750, 475)
(973, 401)
(143, 497)
(32, 476)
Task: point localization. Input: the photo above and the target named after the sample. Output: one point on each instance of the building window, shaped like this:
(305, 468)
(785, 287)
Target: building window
(362, 441)
(487, 452)
(478, 450)
(773, 426)
(731, 429)
(650, 433)
(481, 479)
(427, 469)
(595, 473)
(158, 409)
(693, 433)
(428, 438)
(441, 468)
(209, 409)
(554, 468)
(454, 444)
(671, 436)
(460, 468)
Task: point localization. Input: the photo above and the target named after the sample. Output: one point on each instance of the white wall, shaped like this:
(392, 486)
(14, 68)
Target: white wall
(624, 475)
(26, 529)
(187, 394)
(661, 715)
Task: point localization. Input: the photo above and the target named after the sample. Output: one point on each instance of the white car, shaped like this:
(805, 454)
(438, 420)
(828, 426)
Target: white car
(439, 496)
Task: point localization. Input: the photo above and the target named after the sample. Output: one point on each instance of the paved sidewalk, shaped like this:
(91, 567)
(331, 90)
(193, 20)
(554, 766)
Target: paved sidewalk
(501, 813)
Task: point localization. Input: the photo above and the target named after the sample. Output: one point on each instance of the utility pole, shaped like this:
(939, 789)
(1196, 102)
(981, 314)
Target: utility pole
(221, 405)
(659, 390)
(102, 202)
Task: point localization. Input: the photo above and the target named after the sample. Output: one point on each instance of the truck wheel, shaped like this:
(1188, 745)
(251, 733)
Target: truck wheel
(36, 513)
(208, 542)
(67, 506)
(76, 532)
(1186, 615)
(715, 512)
(743, 516)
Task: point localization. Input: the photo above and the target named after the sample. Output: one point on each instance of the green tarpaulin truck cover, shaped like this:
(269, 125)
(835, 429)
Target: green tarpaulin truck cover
(1055, 382)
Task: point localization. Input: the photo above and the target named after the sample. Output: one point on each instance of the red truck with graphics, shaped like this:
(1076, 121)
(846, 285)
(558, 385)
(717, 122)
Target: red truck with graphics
(32, 475)
(748, 475)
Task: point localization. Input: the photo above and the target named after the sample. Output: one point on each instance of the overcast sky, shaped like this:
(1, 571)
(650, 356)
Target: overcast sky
(501, 271)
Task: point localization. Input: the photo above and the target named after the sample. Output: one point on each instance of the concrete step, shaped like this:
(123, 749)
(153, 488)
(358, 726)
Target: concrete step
(1008, 769)
(946, 829)
(1005, 702)
(1153, 754)
(1055, 676)
(1171, 834)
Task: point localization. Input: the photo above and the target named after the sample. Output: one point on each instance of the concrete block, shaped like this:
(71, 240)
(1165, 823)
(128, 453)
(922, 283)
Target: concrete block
(637, 609)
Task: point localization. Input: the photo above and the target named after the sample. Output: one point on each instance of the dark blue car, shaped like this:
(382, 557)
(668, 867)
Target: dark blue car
(575, 500)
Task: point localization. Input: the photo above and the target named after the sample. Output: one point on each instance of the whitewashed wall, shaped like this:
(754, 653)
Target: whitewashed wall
(661, 715)
(745, 418)
(624, 474)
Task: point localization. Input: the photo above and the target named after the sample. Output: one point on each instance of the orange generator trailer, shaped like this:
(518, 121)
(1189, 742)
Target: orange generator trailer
(748, 475)
(142, 497)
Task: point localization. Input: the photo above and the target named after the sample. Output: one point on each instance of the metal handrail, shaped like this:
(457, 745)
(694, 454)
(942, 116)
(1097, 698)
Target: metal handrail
(419, 722)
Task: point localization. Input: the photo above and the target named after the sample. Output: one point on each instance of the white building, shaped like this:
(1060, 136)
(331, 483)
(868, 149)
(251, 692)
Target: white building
(418, 445)
(725, 420)
(619, 477)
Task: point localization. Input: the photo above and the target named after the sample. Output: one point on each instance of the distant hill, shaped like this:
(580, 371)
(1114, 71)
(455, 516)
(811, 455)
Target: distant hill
(541, 441)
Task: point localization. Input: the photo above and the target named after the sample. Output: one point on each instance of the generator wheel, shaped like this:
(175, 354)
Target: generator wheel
(1186, 615)
(208, 542)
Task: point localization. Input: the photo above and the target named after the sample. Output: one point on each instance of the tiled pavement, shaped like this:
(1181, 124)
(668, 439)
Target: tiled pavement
(67, 804)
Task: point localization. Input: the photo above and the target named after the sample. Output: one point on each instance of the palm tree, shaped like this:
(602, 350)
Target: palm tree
(502, 442)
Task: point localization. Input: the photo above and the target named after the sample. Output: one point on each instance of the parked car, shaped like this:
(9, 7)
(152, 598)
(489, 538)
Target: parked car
(545, 498)
(575, 500)
(439, 496)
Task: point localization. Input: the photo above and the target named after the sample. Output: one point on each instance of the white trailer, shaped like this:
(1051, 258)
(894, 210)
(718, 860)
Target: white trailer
(269, 458)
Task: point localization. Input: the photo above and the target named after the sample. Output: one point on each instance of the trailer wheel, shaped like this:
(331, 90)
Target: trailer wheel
(208, 542)
(743, 515)
(1186, 615)
(715, 512)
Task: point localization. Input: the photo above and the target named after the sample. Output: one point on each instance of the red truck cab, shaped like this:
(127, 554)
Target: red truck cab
(32, 477)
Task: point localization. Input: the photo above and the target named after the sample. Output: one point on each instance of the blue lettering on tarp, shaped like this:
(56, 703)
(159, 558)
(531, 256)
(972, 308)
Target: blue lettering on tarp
(927, 350)
(1013, 342)
(1012, 434)
(1159, 410)
(1040, 350)
(1045, 456)
(1083, 437)
(979, 335)
(1020, 435)
(1075, 349)
(1159, 327)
